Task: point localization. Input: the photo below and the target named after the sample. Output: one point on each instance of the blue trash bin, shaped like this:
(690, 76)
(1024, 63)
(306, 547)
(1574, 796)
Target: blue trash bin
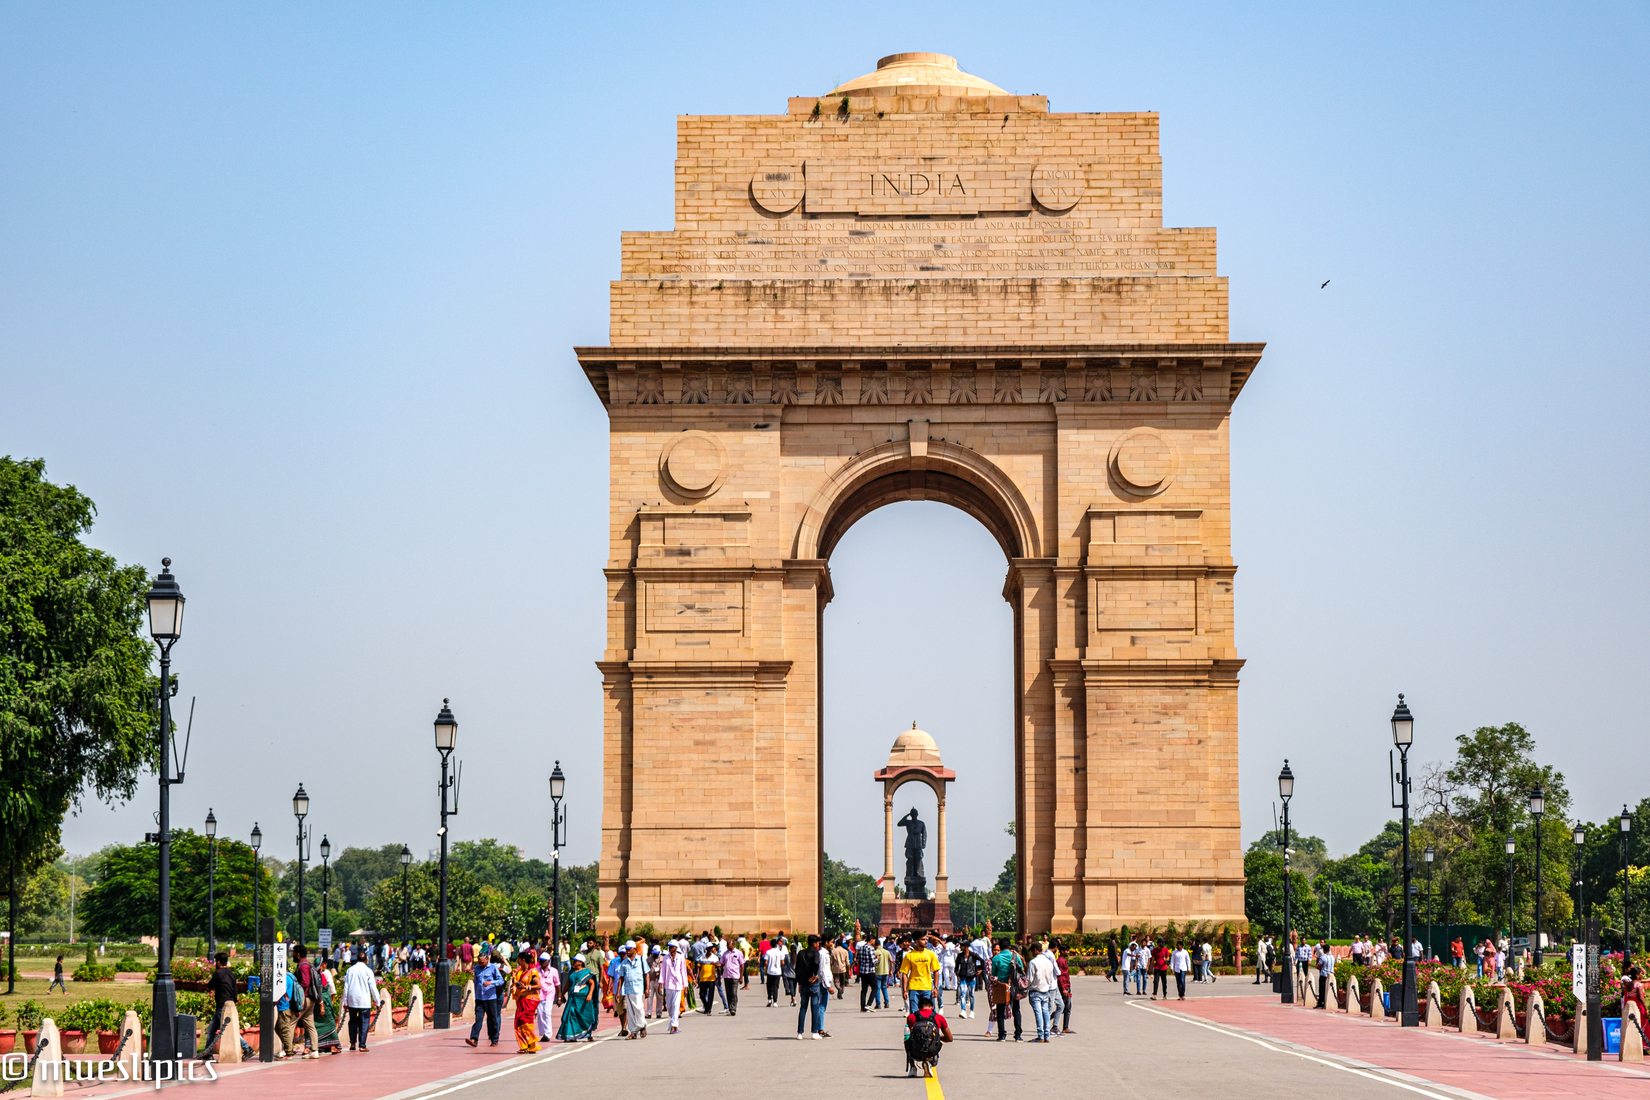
(1612, 1034)
(1386, 1002)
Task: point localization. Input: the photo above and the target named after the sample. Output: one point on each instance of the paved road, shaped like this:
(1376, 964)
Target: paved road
(1230, 1041)
(1121, 1048)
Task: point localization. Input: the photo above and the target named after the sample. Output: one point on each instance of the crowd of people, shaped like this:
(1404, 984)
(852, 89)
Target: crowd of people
(640, 983)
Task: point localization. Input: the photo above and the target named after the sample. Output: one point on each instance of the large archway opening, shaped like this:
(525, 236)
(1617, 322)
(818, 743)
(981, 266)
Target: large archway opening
(918, 631)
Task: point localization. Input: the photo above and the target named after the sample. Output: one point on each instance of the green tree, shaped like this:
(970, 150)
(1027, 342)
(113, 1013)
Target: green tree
(1309, 853)
(1263, 895)
(850, 894)
(500, 866)
(358, 870)
(316, 883)
(473, 909)
(76, 693)
(124, 898)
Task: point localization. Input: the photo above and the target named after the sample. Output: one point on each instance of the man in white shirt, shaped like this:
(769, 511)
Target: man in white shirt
(773, 967)
(1043, 975)
(360, 997)
(1208, 960)
(1180, 961)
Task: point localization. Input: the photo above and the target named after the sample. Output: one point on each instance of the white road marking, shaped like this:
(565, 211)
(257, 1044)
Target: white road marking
(464, 1084)
(1383, 1078)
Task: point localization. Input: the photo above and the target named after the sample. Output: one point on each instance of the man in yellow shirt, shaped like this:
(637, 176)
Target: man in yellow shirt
(917, 971)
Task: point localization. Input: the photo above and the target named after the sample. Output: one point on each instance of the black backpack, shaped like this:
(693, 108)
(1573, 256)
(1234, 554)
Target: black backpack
(925, 1039)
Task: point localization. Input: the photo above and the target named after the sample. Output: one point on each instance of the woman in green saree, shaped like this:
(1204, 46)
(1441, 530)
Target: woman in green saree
(326, 1015)
(578, 1015)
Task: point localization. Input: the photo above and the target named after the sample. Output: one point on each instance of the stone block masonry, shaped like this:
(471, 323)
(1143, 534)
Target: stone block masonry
(920, 286)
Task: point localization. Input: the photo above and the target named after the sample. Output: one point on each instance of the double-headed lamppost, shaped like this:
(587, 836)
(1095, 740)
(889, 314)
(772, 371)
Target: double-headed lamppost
(211, 883)
(1626, 822)
(1579, 836)
(406, 896)
(326, 881)
(1286, 791)
(1403, 736)
(1538, 806)
(1512, 847)
(558, 819)
(165, 626)
(300, 810)
(257, 912)
(1428, 854)
(446, 736)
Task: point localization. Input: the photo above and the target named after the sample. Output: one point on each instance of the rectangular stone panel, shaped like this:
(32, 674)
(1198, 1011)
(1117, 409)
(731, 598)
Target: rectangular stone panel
(694, 607)
(1145, 605)
(916, 185)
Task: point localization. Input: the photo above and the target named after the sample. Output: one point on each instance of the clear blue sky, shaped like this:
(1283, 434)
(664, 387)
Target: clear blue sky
(290, 291)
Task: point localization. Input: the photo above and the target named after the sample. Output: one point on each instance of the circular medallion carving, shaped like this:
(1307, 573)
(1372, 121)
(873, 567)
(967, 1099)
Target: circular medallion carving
(1057, 185)
(1144, 462)
(777, 188)
(692, 463)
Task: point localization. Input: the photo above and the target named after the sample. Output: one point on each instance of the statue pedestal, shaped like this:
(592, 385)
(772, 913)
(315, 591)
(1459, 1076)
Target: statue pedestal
(914, 915)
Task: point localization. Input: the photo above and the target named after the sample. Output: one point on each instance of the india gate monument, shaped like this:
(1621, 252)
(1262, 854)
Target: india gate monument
(919, 286)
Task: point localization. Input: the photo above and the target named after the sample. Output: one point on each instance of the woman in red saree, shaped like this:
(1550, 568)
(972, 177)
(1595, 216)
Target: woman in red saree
(527, 987)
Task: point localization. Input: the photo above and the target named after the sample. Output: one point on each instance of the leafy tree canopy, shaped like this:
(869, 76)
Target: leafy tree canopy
(76, 693)
(125, 898)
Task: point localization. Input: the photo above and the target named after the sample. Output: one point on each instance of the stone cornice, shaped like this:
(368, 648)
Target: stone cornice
(928, 375)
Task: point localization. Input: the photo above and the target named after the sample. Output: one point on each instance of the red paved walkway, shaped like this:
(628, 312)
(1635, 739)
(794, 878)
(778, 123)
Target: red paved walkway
(1476, 1064)
(390, 1066)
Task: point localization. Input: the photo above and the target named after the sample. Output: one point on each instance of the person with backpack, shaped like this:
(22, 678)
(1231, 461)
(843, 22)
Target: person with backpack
(926, 1032)
(286, 1014)
(308, 993)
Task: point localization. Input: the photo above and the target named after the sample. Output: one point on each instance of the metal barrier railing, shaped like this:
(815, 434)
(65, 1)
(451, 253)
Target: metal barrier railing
(29, 1063)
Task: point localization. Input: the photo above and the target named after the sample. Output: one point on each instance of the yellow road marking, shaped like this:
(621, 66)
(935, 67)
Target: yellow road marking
(933, 1085)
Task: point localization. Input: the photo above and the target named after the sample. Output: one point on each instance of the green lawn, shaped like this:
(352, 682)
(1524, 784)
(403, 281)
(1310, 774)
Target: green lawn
(35, 988)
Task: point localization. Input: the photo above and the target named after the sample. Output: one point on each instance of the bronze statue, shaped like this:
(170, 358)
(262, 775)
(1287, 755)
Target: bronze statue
(916, 838)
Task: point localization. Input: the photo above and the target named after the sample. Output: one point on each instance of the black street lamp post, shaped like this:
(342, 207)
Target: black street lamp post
(1538, 806)
(326, 882)
(257, 911)
(446, 736)
(1578, 835)
(1512, 847)
(1286, 791)
(558, 820)
(1428, 854)
(1626, 822)
(406, 896)
(300, 810)
(1403, 736)
(165, 626)
(211, 883)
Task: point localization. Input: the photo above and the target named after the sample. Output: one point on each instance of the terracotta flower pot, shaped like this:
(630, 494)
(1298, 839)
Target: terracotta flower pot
(429, 1013)
(108, 1042)
(398, 1016)
(74, 1042)
(8, 1040)
(30, 1038)
(250, 1034)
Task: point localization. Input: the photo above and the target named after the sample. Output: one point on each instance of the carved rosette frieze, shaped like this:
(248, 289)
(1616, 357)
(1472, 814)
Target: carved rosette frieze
(868, 380)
